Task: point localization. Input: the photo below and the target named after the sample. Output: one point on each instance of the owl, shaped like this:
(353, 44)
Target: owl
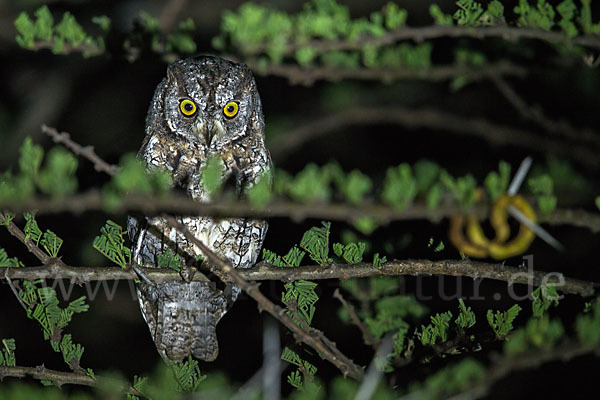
(205, 108)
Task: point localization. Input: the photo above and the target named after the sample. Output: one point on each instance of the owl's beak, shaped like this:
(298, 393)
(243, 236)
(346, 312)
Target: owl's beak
(209, 130)
(209, 134)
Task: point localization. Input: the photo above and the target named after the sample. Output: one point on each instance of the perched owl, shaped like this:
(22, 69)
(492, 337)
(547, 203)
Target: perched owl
(206, 107)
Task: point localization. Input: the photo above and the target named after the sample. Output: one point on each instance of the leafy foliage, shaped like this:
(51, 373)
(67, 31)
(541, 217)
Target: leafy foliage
(188, 375)
(543, 298)
(43, 306)
(132, 177)
(300, 296)
(5, 261)
(7, 355)
(316, 243)
(307, 369)
(51, 243)
(501, 322)
(538, 333)
(496, 183)
(352, 253)
(588, 324)
(392, 313)
(542, 187)
(292, 259)
(112, 244)
(437, 330)
(466, 317)
(453, 379)
(169, 259)
(399, 187)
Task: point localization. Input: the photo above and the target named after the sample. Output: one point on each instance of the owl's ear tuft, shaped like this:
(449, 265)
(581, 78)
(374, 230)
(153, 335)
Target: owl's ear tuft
(175, 74)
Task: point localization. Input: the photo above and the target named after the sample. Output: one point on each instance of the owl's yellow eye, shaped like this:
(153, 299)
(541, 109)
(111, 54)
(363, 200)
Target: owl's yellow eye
(187, 107)
(231, 109)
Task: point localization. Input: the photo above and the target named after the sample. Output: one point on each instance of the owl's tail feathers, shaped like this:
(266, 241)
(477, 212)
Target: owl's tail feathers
(183, 317)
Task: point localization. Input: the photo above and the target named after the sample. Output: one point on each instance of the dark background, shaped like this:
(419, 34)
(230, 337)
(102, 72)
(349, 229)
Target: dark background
(102, 101)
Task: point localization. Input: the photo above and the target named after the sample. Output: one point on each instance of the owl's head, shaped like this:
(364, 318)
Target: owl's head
(209, 101)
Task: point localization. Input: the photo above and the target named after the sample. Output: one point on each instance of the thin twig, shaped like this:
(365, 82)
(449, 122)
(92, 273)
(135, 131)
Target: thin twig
(492, 132)
(14, 230)
(508, 364)
(87, 152)
(183, 205)
(264, 271)
(420, 34)
(364, 329)
(327, 349)
(308, 76)
(536, 115)
(60, 378)
(14, 289)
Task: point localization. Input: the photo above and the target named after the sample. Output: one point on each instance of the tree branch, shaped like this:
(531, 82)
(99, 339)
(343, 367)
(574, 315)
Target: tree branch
(536, 115)
(86, 152)
(316, 340)
(14, 230)
(183, 205)
(494, 133)
(308, 76)
(364, 329)
(264, 271)
(60, 378)
(420, 34)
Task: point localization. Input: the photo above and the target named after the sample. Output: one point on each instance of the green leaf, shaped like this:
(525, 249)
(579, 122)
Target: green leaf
(31, 229)
(351, 253)
(399, 187)
(78, 306)
(391, 311)
(501, 322)
(378, 261)
(57, 178)
(426, 175)
(70, 30)
(103, 22)
(466, 317)
(496, 183)
(395, 17)
(538, 333)
(188, 375)
(316, 242)
(437, 329)
(587, 325)
(464, 189)
(439, 16)
(43, 24)
(5, 261)
(598, 202)
(303, 294)
(169, 259)
(454, 379)
(212, 176)
(30, 159)
(111, 244)
(260, 193)
(51, 243)
(543, 298)
(7, 355)
(26, 31)
(310, 185)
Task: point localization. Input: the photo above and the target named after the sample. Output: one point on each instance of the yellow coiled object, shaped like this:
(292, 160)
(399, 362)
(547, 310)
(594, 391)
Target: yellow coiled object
(477, 245)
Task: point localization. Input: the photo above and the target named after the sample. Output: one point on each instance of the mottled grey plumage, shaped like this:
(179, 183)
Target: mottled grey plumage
(182, 316)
